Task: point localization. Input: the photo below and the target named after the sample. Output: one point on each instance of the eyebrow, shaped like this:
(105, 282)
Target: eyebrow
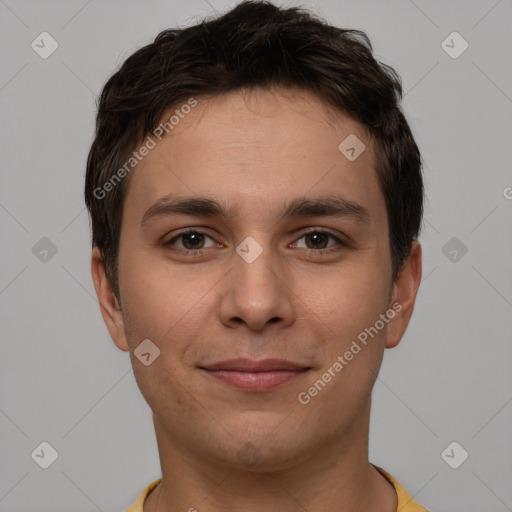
(325, 206)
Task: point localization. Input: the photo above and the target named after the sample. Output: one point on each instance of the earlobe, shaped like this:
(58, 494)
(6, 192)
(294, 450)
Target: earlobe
(404, 294)
(109, 305)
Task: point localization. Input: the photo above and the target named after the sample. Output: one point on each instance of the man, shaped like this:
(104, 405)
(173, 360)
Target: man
(256, 196)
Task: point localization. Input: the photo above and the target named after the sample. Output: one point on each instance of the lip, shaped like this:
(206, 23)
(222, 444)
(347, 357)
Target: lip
(250, 375)
(249, 365)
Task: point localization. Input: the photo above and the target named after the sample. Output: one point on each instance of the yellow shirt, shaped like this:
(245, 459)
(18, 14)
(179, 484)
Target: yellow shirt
(405, 502)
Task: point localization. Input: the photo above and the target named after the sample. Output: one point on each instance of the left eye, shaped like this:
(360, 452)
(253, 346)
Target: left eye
(318, 239)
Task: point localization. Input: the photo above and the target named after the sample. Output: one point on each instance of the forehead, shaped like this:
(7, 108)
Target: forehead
(254, 148)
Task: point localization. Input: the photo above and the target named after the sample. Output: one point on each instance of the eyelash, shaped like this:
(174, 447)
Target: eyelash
(199, 252)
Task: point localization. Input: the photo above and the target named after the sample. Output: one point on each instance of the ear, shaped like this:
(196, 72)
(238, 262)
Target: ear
(109, 305)
(404, 294)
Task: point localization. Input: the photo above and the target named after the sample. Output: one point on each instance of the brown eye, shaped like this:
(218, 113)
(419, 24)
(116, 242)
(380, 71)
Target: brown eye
(193, 240)
(319, 240)
(190, 241)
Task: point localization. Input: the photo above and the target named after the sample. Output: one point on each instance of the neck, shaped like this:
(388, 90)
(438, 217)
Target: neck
(336, 475)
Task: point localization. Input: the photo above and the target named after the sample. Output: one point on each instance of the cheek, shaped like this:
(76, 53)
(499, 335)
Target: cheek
(171, 308)
(351, 347)
(347, 300)
(160, 310)
(167, 309)
(156, 295)
(349, 308)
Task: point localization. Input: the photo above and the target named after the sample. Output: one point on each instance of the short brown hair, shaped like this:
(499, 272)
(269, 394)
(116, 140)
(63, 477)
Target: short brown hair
(256, 44)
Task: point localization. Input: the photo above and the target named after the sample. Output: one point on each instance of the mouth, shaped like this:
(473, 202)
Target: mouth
(249, 375)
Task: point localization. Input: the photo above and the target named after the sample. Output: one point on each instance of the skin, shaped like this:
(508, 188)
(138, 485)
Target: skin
(255, 151)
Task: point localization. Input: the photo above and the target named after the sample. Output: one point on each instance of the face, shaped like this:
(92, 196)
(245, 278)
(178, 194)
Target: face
(253, 255)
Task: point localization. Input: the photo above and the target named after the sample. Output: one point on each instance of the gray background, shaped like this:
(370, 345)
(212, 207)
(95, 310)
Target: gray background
(63, 380)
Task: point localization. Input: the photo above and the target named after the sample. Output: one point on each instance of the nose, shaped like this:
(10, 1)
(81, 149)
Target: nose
(256, 293)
